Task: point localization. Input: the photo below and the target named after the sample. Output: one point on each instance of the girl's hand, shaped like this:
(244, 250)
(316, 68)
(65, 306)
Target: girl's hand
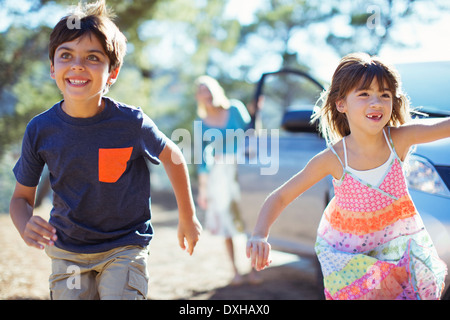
(258, 249)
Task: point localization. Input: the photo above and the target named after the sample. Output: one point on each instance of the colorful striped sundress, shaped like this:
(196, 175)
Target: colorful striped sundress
(372, 243)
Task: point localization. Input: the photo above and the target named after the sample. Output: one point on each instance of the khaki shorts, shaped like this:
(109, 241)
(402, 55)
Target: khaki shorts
(117, 274)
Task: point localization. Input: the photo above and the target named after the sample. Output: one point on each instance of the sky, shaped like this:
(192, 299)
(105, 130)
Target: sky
(242, 10)
(50, 14)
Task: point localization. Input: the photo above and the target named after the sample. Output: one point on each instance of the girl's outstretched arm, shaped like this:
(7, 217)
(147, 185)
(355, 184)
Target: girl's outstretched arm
(258, 248)
(420, 131)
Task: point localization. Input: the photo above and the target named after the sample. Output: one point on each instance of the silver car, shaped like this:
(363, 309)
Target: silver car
(428, 174)
(287, 98)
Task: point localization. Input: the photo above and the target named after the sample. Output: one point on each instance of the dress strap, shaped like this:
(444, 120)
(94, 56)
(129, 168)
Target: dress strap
(388, 140)
(335, 153)
(345, 152)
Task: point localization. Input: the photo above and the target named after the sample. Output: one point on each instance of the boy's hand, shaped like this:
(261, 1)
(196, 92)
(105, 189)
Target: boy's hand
(189, 228)
(38, 233)
(34, 230)
(189, 232)
(258, 249)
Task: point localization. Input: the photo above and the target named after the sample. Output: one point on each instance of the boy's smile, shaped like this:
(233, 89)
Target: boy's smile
(77, 82)
(81, 71)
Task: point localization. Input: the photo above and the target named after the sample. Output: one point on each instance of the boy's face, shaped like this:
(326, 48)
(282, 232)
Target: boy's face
(81, 69)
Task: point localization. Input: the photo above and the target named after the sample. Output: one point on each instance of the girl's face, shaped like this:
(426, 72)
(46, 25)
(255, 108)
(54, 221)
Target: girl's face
(368, 109)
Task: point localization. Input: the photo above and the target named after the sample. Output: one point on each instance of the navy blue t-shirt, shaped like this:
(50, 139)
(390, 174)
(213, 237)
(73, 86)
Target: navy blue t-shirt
(98, 173)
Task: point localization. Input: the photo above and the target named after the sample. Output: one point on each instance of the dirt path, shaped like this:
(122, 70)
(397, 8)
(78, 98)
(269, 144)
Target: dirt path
(173, 273)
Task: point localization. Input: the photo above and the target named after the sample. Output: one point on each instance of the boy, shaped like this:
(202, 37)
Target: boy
(96, 151)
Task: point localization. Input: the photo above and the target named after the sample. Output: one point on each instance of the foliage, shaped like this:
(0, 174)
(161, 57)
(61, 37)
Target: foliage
(171, 42)
(7, 179)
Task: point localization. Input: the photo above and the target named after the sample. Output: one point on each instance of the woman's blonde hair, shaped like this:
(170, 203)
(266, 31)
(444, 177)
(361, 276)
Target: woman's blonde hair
(219, 99)
(357, 70)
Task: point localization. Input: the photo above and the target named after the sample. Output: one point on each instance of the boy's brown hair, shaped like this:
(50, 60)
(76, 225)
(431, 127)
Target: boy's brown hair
(91, 19)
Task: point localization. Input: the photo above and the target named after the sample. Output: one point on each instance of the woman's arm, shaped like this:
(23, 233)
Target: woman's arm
(202, 199)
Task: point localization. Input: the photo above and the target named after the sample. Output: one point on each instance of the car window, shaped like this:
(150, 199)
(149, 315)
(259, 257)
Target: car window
(427, 84)
(283, 92)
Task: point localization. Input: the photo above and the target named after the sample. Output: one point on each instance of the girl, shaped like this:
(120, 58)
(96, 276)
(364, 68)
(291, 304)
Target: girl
(371, 241)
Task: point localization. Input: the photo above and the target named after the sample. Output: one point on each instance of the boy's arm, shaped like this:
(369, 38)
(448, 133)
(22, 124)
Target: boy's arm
(189, 227)
(35, 231)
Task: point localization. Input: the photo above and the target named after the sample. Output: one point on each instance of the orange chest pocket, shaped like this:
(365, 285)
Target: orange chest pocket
(112, 163)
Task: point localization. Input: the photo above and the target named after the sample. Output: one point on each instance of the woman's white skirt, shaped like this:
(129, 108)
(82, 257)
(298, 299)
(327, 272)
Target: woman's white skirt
(222, 216)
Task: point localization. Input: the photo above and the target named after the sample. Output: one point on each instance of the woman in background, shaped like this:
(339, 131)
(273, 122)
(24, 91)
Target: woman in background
(218, 192)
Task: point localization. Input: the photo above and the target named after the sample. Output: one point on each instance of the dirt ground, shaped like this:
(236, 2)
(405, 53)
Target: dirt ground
(174, 275)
